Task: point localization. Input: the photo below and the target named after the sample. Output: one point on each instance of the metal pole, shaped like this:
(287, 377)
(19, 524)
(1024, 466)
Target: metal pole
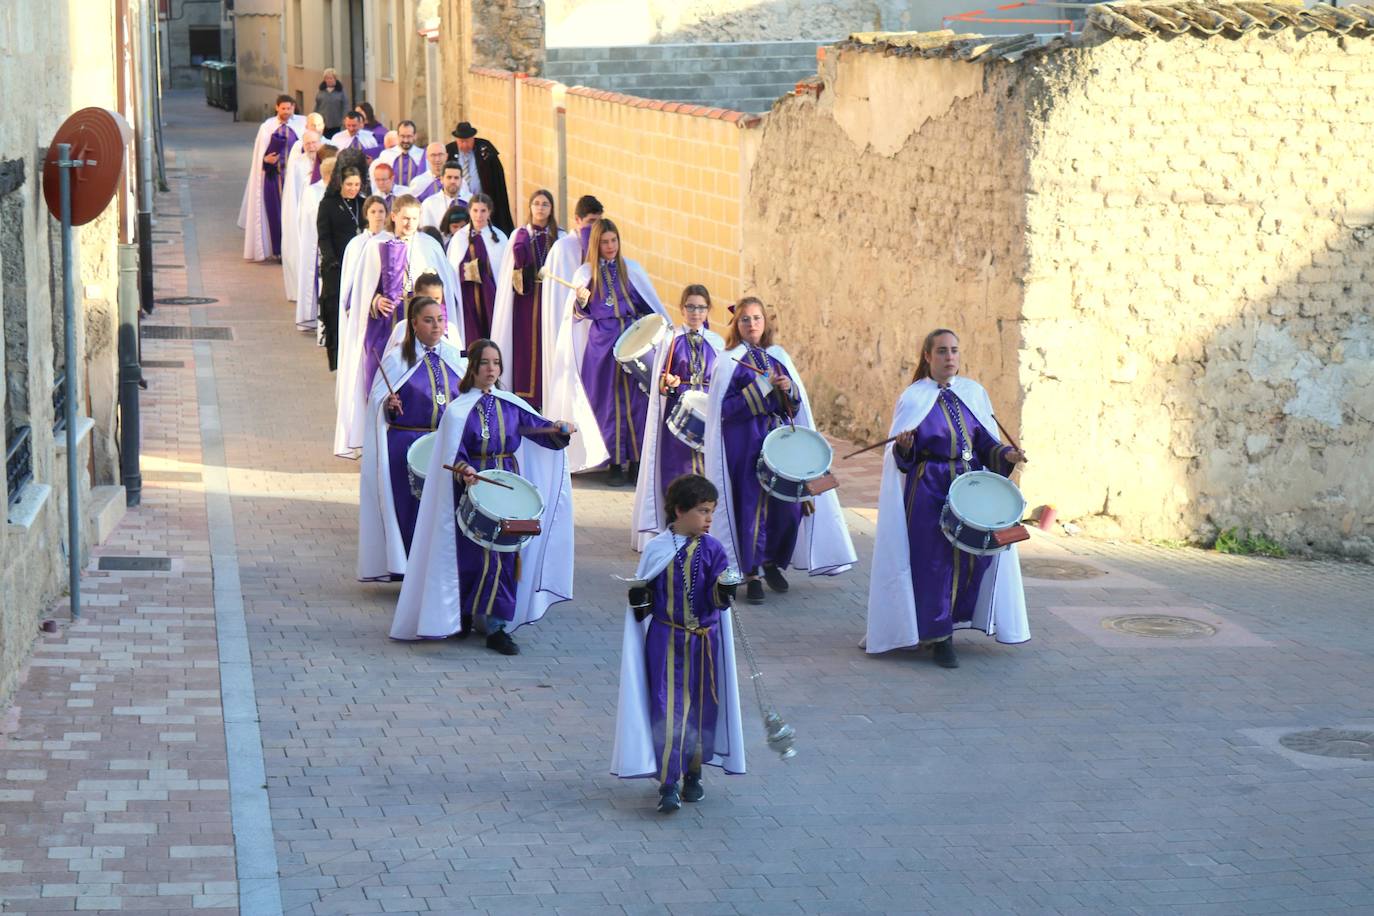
(130, 374)
(145, 157)
(155, 42)
(65, 165)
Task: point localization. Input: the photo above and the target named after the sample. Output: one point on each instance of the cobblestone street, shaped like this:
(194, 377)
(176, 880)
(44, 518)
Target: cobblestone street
(1092, 770)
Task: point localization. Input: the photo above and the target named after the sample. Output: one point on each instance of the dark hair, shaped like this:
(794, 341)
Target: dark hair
(285, 98)
(600, 228)
(474, 356)
(553, 211)
(732, 335)
(451, 164)
(434, 234)
(377, 199)
(354, 116)
(417, 304)
(686, 493)
(923, 367)
(426, 280)
(352, 159)
(342, 170)
(694, 289)
(586, 206)
(455, 214)
(405, 123)
(480, 198)
(369, 116)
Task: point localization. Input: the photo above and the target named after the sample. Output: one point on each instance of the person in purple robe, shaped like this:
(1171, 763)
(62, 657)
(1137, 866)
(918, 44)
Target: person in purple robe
(760, 397)
(684, 643)
(494, 431)
(274, 174)
(687, 367)
(611, 301)
(475, 252)
(370, 123)
(530, 247)
(948, 441)
(418, 403)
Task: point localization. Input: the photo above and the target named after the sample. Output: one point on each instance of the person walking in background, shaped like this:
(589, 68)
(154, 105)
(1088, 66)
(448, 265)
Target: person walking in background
(302, 170)
(339, 220)
(407, 160)
(260, 212)
(482, 172)
(371, 124)
(331, 102)
(431, 180)
(354, 137)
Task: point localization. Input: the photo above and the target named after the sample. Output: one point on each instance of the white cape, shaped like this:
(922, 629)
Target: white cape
(502, 316)
(389, 157)
(1000, 610)
(429, 605)
(308, 257)
(381, 550)
(633, 753)
(298, 169)
(564, 396)
(257, 238)
(823, 544)
(346, 375)
(367, 140)
(648, 519)
(433, 208)
(352, 388)
(565, 256)
(457, 250)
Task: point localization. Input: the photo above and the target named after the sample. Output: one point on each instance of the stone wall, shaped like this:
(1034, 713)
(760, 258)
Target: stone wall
(1159, 252)
(258, 55)
(508, 34)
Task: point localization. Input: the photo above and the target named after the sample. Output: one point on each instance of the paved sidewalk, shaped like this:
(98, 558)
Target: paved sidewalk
(1089, 771)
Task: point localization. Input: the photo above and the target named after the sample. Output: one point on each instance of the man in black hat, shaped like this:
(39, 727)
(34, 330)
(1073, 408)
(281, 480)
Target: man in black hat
(482, 171)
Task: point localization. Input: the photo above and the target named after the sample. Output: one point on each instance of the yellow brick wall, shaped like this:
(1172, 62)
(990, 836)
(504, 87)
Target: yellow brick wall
(671, 182)
(538, 144)
(491, 109)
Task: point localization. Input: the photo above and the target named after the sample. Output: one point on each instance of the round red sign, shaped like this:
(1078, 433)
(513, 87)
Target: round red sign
(98, 137)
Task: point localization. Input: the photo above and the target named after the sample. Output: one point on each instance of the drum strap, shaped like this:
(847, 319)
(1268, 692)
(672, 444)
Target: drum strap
(413, 429)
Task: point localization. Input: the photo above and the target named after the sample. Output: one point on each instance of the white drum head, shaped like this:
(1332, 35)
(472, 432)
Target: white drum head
(988, 500)
(522, 502)
(696, 401)
(797, 453)
(419, 453)
(640, 337)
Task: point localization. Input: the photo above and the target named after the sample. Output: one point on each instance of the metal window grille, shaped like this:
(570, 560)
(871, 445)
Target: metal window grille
(59, 403)
(18, 462)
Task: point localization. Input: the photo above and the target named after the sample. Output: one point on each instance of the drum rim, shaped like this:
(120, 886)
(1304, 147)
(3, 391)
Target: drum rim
(954, 510)
(790, 430)
(648, 345)
(410, 448)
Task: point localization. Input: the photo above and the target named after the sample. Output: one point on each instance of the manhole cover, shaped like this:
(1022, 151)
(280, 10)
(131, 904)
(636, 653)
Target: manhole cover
(1059, 569)
(137, 564)
(183, 332)
(163, 364)
(1332, 742)
(185, 300)
(1159, 626)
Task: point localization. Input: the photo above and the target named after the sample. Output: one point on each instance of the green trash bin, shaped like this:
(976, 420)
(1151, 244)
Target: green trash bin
(229, 87)
(208, 77)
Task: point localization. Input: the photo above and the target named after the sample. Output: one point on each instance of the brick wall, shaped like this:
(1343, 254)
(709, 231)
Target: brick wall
(538, 101)
(491, 109)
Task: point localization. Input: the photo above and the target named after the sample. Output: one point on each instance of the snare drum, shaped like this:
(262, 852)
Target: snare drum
(417, 461)
(980, 504)
(500, 519)
(792, 458)
(687, 420)
(634, 348)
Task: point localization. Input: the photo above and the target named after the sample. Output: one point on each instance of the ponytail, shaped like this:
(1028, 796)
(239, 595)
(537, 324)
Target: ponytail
(923, 367)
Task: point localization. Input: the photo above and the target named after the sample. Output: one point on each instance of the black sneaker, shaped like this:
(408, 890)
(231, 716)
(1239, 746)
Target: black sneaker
(500, 641)
(944, 654)
(774, 577)
(668, 799)
(691, 788)
(464, 627)
(616, 476)
(753, 591)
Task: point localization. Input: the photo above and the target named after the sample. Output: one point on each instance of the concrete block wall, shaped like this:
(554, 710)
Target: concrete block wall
(746, 76)
(491, 109)
(538, 101)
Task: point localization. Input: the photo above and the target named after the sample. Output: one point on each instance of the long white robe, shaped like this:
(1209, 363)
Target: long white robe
(381, 549)
(1000, 610)
(426, 257)
(823, 547)
(429, 606)
(257, 238)
(366, 139)
(647, 519)
(564, 396)
(565, 256)
(298, 169)
(433, 208)
(308, 257)
(389, 157)
(346, 375)
(632, 755)
(502, 315)
(420, 185)
(457, 248)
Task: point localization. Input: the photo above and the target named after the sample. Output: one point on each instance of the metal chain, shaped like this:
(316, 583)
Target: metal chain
(755, 673)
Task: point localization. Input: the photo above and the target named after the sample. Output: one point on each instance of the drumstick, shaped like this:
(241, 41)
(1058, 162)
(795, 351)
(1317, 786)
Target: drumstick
(480, 478)
(1010, 440)
(540, 430)
(869, 448)
(751, 366)
(546, 274)
(382, 370)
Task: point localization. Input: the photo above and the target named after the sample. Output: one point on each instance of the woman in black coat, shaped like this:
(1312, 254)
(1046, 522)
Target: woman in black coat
(340, 219)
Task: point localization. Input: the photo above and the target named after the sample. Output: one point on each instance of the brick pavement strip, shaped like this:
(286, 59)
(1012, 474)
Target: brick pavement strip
(1062, 776)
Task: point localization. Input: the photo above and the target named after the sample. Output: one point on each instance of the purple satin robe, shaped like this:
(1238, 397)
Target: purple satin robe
(530, 250)
(478, 297)
(378, 131)
(274, 182)
(767, 526)
(945, 579)
(681, 648)
(405, 169)
(394, 282)
(429, 190)
(420, 414)
(691, 359)
(487, 578)
(615, 398)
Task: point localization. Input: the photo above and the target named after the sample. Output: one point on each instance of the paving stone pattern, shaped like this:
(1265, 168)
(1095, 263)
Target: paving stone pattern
(1060, 776)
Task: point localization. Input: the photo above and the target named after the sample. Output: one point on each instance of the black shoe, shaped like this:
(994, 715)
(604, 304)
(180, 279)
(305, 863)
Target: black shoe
(774, 577)
(500, 641)
(616, 477)
(944, 654)
(464, 627)
(753, 591)
(632, 473)
(691, 788)
(668, 799)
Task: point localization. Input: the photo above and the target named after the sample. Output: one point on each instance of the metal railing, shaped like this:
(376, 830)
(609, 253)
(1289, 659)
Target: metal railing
(59, 403)
(18, 462)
